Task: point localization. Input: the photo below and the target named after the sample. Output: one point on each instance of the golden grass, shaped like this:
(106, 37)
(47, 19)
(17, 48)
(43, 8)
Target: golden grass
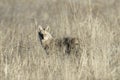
(95, 22)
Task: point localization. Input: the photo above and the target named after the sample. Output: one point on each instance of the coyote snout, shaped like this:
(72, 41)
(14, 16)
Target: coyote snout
(46, 40)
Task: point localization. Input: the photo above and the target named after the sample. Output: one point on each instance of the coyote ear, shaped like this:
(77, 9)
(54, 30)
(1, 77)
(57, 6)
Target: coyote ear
(40, 27)
(47, 28)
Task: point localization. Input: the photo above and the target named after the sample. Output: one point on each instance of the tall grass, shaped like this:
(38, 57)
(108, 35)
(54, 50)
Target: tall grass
(96, 23)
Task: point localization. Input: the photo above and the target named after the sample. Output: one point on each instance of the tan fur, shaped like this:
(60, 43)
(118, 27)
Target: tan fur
(48, 41)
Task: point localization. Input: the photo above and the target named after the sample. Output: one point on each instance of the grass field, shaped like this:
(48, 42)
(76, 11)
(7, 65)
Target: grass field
(95, 22)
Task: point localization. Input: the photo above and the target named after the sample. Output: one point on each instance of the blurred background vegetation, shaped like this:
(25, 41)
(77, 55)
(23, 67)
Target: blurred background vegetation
(95, 22)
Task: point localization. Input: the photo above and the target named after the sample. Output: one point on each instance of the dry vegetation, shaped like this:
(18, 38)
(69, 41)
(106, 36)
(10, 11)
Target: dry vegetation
(96, 23)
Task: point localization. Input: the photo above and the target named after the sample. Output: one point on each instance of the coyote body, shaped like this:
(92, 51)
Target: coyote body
(66, 44)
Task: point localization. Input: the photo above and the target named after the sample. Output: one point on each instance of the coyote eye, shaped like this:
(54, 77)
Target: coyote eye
(43, 28)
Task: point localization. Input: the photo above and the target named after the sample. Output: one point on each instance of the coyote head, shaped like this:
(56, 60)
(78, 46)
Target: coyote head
(44, 35)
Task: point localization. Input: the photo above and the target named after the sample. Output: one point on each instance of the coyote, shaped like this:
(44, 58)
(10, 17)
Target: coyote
(47, 41)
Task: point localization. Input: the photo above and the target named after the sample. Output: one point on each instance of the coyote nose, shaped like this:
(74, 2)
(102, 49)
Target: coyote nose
(40, 35)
